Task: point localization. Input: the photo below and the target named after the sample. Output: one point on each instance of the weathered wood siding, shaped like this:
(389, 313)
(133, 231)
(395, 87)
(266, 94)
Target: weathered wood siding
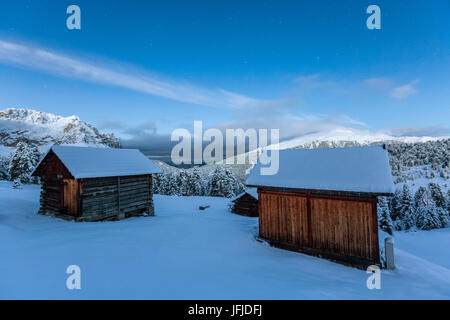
(99, 198)
(283, 218)
(103, 198)
(245, 205)
(341, 228)
(344, 227)
(135, 194)
(51, 195)
(52, 168)
(52, 172)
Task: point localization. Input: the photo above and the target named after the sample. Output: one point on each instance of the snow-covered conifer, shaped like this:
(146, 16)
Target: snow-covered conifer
(4, 174)
(405, 220)
(394, 205)
(448, 201)
(427, 218)
(384, 217)
(196, 183)
(437, 195)
(22, 163)
(421, 198)
(224, 184)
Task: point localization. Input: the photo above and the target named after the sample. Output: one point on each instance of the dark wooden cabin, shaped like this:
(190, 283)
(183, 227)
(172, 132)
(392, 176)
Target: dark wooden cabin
(246, 204)
(94, 184)
(323, 202)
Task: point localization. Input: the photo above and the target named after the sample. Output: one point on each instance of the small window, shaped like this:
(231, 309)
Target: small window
(59, 176)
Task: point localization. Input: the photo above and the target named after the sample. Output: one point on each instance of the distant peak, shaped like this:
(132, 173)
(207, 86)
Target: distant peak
(42, 128)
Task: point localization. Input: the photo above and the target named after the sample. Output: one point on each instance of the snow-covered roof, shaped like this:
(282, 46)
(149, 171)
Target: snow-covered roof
(251, 191)
(89, 162)
(355, 169)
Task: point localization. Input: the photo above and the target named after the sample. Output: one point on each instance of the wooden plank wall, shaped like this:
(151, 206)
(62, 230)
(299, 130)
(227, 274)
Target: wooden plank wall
(245, 205)
(343, 227)
(283, 218)
(103, 198)
(51, 195)
(135, 196)
(339, 226)
(99, 198)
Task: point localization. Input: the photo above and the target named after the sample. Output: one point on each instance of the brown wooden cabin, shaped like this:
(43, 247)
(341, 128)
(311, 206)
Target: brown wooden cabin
(94, 184)
(323, 202)
(246, 204)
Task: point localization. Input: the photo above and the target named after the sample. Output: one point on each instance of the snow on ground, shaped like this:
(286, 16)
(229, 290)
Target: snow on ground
(417, 178)
(185, 253)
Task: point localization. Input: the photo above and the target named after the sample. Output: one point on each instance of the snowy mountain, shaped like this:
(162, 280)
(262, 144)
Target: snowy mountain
(349, 137)
(43, 129)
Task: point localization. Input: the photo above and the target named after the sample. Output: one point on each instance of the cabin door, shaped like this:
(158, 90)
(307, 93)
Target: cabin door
(70, 197)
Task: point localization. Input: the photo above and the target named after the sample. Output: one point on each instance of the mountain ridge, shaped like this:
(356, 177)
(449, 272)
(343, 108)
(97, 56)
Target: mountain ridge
(44, 129)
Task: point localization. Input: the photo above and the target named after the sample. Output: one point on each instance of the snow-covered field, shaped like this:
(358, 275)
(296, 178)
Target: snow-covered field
(185, 253)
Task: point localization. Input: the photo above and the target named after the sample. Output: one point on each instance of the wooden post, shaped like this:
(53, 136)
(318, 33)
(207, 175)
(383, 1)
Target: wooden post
(389, 253)
(118, 195)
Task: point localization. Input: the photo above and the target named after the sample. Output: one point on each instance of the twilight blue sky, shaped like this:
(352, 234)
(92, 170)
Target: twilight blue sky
(143, 68)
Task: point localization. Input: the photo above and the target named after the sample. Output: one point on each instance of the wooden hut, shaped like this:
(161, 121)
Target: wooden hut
(246, 204)
(93, 184)
(324, 202)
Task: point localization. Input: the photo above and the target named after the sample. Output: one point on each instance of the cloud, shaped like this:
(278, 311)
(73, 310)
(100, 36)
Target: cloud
(65, 66)
(112, 124)
(431, 131)
(294, 126)
(142, 129)
(405, 90)
(379, 84)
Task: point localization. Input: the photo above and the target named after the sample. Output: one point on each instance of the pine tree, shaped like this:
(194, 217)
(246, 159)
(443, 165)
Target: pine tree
(4, 175)
(224, 184)
(172, 184)
(22, 163)
(156, 183)
(428, 214)
(183, 182)
(162, 184)
(443, 217)
(448, 202)
(427, 218)
(384, 217)
(406, 219)
(439, 199)
(394, 205)
(421, 198)
(437, 195)
(195, 185)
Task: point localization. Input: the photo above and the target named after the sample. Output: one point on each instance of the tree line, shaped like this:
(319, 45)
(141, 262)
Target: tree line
(428, 209)
(220, 182)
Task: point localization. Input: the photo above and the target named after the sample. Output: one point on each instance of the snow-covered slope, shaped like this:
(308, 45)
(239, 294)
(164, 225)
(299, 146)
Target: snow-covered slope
(44, 129)
(348, 137)
(186, 253)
